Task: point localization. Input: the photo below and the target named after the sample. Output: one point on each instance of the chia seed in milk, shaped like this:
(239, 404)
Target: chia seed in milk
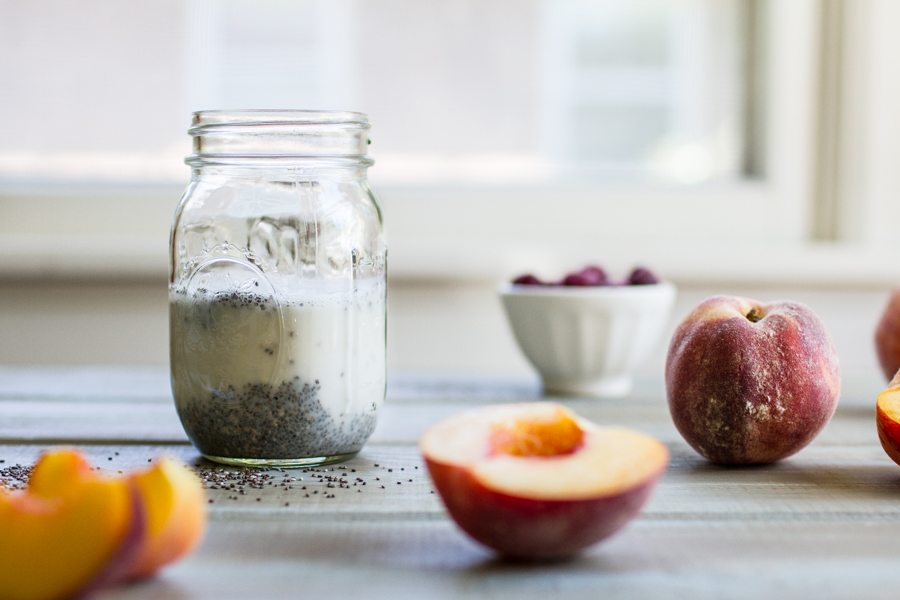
(300, 376)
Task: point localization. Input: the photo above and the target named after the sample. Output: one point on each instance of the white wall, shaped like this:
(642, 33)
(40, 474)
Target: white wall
(432, 327)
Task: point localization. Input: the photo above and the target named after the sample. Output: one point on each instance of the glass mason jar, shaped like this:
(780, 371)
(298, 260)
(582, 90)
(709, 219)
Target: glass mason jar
(277, 289)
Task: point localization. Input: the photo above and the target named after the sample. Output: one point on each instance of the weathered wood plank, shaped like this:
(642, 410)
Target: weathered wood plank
(60, 421)
(92, 383)
(365, 560)
(820, 484)
(150, 420)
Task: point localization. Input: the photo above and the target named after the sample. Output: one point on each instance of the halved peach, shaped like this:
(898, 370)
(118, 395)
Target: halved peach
(70, 532)
(535, 480)
(887, 419)
(176, 515)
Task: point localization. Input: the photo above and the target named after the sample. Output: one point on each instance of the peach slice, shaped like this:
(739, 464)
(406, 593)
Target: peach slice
(536, 481)
(176, 514)
(70, 532)
(56, 471)
(887, 419)
(73, 531)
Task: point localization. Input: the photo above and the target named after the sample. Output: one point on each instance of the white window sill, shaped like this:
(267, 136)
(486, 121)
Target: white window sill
(61, 257)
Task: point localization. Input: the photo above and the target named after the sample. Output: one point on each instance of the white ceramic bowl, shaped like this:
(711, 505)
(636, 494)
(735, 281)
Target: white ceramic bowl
(588, 340)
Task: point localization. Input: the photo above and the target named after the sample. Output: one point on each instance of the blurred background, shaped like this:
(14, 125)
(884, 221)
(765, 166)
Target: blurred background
(733, 146)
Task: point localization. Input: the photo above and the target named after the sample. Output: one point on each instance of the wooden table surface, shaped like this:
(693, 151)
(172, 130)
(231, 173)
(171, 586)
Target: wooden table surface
(822, 524)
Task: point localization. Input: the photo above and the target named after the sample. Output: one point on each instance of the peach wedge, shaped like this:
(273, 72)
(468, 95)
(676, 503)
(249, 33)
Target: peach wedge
(176, 515)
(887, 419)
(535, 481)
(73, 531)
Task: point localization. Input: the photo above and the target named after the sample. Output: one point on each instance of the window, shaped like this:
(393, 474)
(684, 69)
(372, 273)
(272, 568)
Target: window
(651, 87)
(484, 93)
(508, 134)
(461, 93)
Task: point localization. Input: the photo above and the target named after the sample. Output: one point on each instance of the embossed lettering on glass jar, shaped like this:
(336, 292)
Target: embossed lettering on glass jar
(277, 289)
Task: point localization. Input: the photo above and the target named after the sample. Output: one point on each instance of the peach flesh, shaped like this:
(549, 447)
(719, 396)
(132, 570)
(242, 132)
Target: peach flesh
(56, 471)
(887, 419)
(551, 435)
(540, 505)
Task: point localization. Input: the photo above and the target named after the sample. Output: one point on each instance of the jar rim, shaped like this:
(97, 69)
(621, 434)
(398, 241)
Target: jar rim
(273, 116)
(226, 136)
(279, 161)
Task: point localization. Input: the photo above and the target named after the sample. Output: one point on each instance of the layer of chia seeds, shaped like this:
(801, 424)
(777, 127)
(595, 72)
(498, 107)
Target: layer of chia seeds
(235, 299)
(272, 422)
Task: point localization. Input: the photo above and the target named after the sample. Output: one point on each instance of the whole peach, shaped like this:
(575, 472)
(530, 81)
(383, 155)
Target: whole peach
(887, 337)
(751, 383)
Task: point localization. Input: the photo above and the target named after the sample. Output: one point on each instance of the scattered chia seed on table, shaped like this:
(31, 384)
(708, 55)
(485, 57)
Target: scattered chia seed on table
(14, 477)
(236, 481)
